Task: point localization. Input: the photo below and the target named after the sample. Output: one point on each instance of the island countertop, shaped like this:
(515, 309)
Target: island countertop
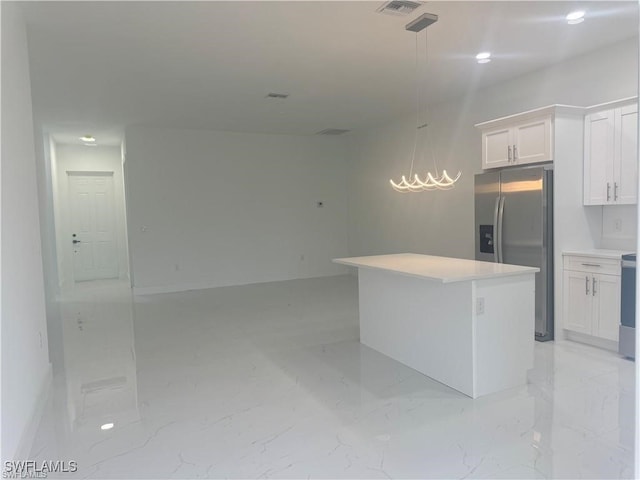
(440, 269)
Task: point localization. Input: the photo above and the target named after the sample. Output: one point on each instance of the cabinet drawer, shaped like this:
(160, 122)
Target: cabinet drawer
(608, 266)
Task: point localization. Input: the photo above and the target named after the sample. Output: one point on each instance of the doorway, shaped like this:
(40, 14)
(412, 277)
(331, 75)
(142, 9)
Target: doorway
(90, 218)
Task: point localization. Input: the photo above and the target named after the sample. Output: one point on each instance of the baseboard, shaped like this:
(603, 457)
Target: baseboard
(31, 429)
(185, 287)
(593, 341)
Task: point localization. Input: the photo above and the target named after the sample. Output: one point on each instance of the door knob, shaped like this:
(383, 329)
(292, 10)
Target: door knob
(75, 241)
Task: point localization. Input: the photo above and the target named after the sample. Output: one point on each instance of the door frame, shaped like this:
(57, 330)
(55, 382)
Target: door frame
(62, 220)
(81, 160)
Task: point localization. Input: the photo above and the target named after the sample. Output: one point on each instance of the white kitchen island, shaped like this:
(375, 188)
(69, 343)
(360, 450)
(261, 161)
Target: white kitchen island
(467, 324)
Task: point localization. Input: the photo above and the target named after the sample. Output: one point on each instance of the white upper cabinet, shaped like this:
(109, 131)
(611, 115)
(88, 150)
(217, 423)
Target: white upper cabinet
(518, 139)
(611, 156)
(532, 141)
(598, 157)
(496, 148)
(626, 154)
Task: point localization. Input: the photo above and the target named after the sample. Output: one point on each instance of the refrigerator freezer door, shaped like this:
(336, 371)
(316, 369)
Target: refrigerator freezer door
(487, 194)
(526, 233)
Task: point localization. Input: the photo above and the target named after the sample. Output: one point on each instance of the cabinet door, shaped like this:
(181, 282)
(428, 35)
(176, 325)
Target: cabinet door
(577, 302)
(626, 155)
(598, 158)
(496, 145)
(606, 306)
(532, 141)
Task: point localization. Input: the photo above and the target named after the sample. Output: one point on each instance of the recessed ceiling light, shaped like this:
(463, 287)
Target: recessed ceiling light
(277, 95)
(88, 138)
(575, 17)
(332, 131)
(483, 57)
(106, 426)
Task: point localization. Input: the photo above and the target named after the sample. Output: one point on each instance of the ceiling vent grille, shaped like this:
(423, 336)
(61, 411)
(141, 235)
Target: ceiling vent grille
(399, 7)
(332, 131)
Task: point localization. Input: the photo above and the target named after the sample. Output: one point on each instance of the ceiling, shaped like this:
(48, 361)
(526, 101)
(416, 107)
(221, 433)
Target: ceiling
(97, 67)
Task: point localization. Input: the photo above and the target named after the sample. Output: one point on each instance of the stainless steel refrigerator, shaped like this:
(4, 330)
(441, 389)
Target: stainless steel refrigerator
(514, 224)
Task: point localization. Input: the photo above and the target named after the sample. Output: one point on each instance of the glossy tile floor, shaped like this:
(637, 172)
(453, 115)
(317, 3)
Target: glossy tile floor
(269, 381)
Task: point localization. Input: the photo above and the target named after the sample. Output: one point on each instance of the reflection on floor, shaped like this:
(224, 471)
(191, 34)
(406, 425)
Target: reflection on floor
(269, 381)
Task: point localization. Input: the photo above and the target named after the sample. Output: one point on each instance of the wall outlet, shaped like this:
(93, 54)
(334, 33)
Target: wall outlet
(480, 306)
(617, 224)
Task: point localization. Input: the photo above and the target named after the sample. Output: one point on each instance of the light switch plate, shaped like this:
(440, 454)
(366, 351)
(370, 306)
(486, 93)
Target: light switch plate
(480, 306)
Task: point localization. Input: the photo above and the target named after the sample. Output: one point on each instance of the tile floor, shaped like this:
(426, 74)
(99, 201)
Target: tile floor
(270, 381)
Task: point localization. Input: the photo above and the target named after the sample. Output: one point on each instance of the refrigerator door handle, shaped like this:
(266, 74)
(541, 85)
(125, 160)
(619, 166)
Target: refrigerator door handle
(496, 231)
(500, 221)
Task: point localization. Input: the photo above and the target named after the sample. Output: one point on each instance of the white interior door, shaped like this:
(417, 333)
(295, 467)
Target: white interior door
(92, 221)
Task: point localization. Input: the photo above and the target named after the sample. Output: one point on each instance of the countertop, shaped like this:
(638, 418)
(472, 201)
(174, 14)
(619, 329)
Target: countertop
(441, 269)
(597, 252)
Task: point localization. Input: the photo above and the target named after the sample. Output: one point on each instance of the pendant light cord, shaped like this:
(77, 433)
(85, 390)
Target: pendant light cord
(426, 125)
(415, 138)
(426, 104)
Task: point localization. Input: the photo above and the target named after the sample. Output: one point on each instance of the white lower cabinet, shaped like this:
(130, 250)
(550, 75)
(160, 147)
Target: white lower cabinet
(606, 306)
(591, 303)
(578, 303)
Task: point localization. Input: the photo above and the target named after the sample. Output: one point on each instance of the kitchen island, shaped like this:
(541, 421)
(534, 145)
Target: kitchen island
(464, 323)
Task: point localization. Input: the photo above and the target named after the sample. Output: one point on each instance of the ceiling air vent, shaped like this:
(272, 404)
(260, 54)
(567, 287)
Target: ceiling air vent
(399, 7)
(277, 95)
(333, 131)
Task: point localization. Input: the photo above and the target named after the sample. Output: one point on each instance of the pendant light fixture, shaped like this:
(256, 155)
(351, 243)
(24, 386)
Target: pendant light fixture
(431, 181)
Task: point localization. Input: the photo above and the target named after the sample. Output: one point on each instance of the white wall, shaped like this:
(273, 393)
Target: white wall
(86, 159)
(625, 237)
(208, 209)
(441, 223)
(44, 170)
(25, 363)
